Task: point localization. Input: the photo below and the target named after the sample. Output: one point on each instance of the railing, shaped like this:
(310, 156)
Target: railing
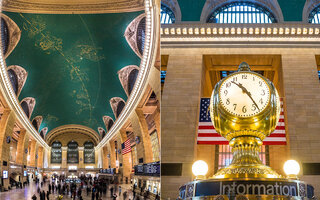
(233, 30)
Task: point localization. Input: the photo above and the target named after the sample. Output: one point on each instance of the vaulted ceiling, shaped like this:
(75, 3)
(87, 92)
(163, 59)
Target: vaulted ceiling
(72, 62)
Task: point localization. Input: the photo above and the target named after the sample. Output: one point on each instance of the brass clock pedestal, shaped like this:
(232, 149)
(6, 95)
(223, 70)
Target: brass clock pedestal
(246, 162)
(245, 108)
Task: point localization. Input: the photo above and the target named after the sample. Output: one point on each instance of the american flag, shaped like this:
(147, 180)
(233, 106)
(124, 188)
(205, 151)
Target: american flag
(126, 147)
(208, 135)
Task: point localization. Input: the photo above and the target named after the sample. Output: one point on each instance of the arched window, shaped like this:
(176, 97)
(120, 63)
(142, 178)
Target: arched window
(4, 36)
(117, 104)
(241, 12)
(120, 107)
(41, 134)
(167, 16)
(141, 34)
(314, 16)
(132, 79)
(35, 124)
(73, 152)
(110, 124)
(88, 152)
(56, 152)
(25, 108)
(14, 80)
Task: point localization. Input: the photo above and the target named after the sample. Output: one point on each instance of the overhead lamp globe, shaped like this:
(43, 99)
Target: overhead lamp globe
(291, 168)
(199, 168)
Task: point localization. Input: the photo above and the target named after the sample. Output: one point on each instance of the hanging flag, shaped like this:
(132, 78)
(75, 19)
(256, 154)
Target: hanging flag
(208, 135)
(126, 147)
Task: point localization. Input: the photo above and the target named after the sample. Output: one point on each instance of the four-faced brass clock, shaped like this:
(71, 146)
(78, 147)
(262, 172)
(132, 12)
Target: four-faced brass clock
(244, 94)
(245, 101)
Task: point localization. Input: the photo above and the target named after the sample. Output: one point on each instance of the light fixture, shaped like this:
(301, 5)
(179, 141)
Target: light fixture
(291, 168)
(199, 169)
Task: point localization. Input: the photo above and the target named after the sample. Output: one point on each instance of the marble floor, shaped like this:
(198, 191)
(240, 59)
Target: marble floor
(27, 192)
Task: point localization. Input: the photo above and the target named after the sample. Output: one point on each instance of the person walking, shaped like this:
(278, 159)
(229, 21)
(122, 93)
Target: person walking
(124, 195)
(111, 191)
(97, 195)
(92, 195)
(49, 187)
(48, 193)
(34, 197)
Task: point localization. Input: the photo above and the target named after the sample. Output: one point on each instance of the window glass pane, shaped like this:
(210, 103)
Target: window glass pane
(166, 15)
(241, 12)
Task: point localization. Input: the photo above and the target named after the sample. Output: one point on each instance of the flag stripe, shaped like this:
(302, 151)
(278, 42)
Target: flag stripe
(208, 135)
(126, 147)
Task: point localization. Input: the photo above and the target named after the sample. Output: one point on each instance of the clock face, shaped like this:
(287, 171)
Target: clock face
(244, 94)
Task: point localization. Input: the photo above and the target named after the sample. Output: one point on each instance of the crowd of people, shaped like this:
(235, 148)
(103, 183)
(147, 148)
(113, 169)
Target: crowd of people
(97, 189)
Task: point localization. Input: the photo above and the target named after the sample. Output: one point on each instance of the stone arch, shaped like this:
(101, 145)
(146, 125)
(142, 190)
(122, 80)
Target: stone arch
(174, 6)
(36, 122)
(127, 77)
(102, 132)
(108, 122)
(21, 77)
(43, 132)
(28, 105)
(211, 5)
(117, 104)
(308, 8)
(77, 130)
(135, 33)
(13, 34)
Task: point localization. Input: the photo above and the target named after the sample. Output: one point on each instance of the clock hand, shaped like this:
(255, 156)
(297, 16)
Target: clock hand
(247, 92)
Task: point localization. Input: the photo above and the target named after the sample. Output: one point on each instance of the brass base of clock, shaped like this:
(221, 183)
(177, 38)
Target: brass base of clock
(246, 171)
(246, 162)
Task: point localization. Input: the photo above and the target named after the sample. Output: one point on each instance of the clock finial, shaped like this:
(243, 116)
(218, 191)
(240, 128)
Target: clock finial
(244, 67)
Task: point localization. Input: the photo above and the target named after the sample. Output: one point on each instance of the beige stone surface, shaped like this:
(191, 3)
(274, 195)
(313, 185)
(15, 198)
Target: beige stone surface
(179, 117)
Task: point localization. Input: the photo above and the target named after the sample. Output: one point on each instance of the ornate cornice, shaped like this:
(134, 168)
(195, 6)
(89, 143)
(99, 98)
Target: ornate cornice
(147, 62)
(72, 7)
(206, 35)
(72, 128)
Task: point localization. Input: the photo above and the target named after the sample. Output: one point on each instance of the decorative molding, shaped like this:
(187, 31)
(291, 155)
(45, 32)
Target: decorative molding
(174, 6)
(123, 75)
(14, 34)
(107, 120)
(72, 7)
(39, 121)
(22, 75)
(50, 137)
(147, 62)
(131, 34)
(211, 5)
(31, 104)
(207, 35)
(114, 102)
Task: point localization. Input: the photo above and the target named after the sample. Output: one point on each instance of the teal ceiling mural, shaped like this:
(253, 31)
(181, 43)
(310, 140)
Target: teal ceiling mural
(72, 63)
(291, 9)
